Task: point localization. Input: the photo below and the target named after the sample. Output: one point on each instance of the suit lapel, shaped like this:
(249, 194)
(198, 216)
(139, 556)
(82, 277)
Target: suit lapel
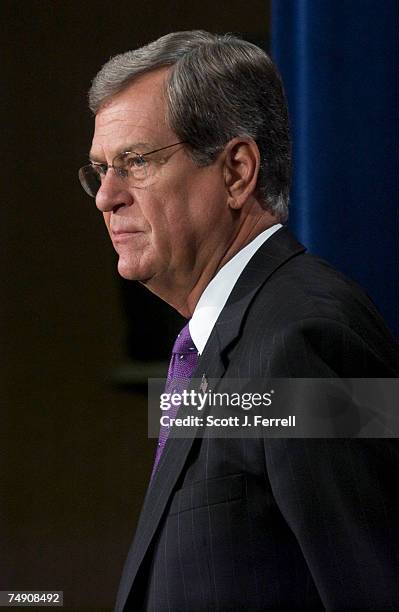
(275, 252)
(280, 247)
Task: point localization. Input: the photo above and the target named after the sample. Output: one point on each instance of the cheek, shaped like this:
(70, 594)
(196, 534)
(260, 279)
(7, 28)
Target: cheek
(165, 214)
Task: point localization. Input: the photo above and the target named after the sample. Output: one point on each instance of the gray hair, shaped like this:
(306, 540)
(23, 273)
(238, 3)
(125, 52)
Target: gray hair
(218, 87)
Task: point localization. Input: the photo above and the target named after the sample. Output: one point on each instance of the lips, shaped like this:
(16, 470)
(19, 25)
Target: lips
(124, 234)
(117, 232)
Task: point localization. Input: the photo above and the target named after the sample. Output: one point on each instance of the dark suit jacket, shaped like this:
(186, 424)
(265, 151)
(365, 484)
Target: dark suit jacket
(277, 524)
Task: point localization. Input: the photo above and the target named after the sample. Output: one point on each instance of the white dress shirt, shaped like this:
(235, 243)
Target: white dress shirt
(216, 293)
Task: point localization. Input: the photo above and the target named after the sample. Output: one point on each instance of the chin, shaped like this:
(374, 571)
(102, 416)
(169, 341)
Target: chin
(133, 273)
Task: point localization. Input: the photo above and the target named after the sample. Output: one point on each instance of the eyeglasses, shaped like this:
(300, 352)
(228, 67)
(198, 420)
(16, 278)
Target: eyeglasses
(129, 165)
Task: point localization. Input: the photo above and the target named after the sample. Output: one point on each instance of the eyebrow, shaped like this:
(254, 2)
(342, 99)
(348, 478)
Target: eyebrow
(135, 147)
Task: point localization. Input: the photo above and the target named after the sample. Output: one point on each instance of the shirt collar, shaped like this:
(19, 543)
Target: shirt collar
(217, 292)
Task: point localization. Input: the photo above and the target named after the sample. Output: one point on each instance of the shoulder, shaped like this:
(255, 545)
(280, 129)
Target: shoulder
(307, 287)
(307, 315)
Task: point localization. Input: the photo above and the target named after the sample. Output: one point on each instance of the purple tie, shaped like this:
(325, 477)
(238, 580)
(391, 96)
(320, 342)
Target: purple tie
(182, 365)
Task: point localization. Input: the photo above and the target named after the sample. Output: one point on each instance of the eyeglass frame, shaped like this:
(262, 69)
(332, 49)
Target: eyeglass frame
(119, 171)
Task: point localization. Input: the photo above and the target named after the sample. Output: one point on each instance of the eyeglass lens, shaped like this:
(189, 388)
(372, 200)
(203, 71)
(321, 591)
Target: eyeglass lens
(129, 165)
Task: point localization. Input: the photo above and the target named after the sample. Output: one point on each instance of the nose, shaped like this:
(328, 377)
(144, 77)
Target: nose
(112, 193)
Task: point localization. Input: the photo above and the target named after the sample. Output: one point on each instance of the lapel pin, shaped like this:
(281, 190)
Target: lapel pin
(204, 384)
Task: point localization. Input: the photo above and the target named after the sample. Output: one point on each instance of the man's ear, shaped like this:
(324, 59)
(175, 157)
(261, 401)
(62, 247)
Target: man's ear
(241, 169)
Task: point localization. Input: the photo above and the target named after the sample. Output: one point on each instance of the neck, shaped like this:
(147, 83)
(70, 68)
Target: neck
(184, 296)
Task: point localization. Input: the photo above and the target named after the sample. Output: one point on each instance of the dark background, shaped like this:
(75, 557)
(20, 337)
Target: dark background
(75, 458)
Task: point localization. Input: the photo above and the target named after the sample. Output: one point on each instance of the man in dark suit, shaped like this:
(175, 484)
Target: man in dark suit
(191, 167)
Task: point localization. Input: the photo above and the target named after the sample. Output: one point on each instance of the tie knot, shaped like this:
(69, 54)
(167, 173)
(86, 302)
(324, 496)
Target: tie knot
(184, 343)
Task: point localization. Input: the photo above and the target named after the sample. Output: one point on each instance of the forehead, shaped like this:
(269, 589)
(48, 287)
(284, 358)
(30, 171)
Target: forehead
(136, 115)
